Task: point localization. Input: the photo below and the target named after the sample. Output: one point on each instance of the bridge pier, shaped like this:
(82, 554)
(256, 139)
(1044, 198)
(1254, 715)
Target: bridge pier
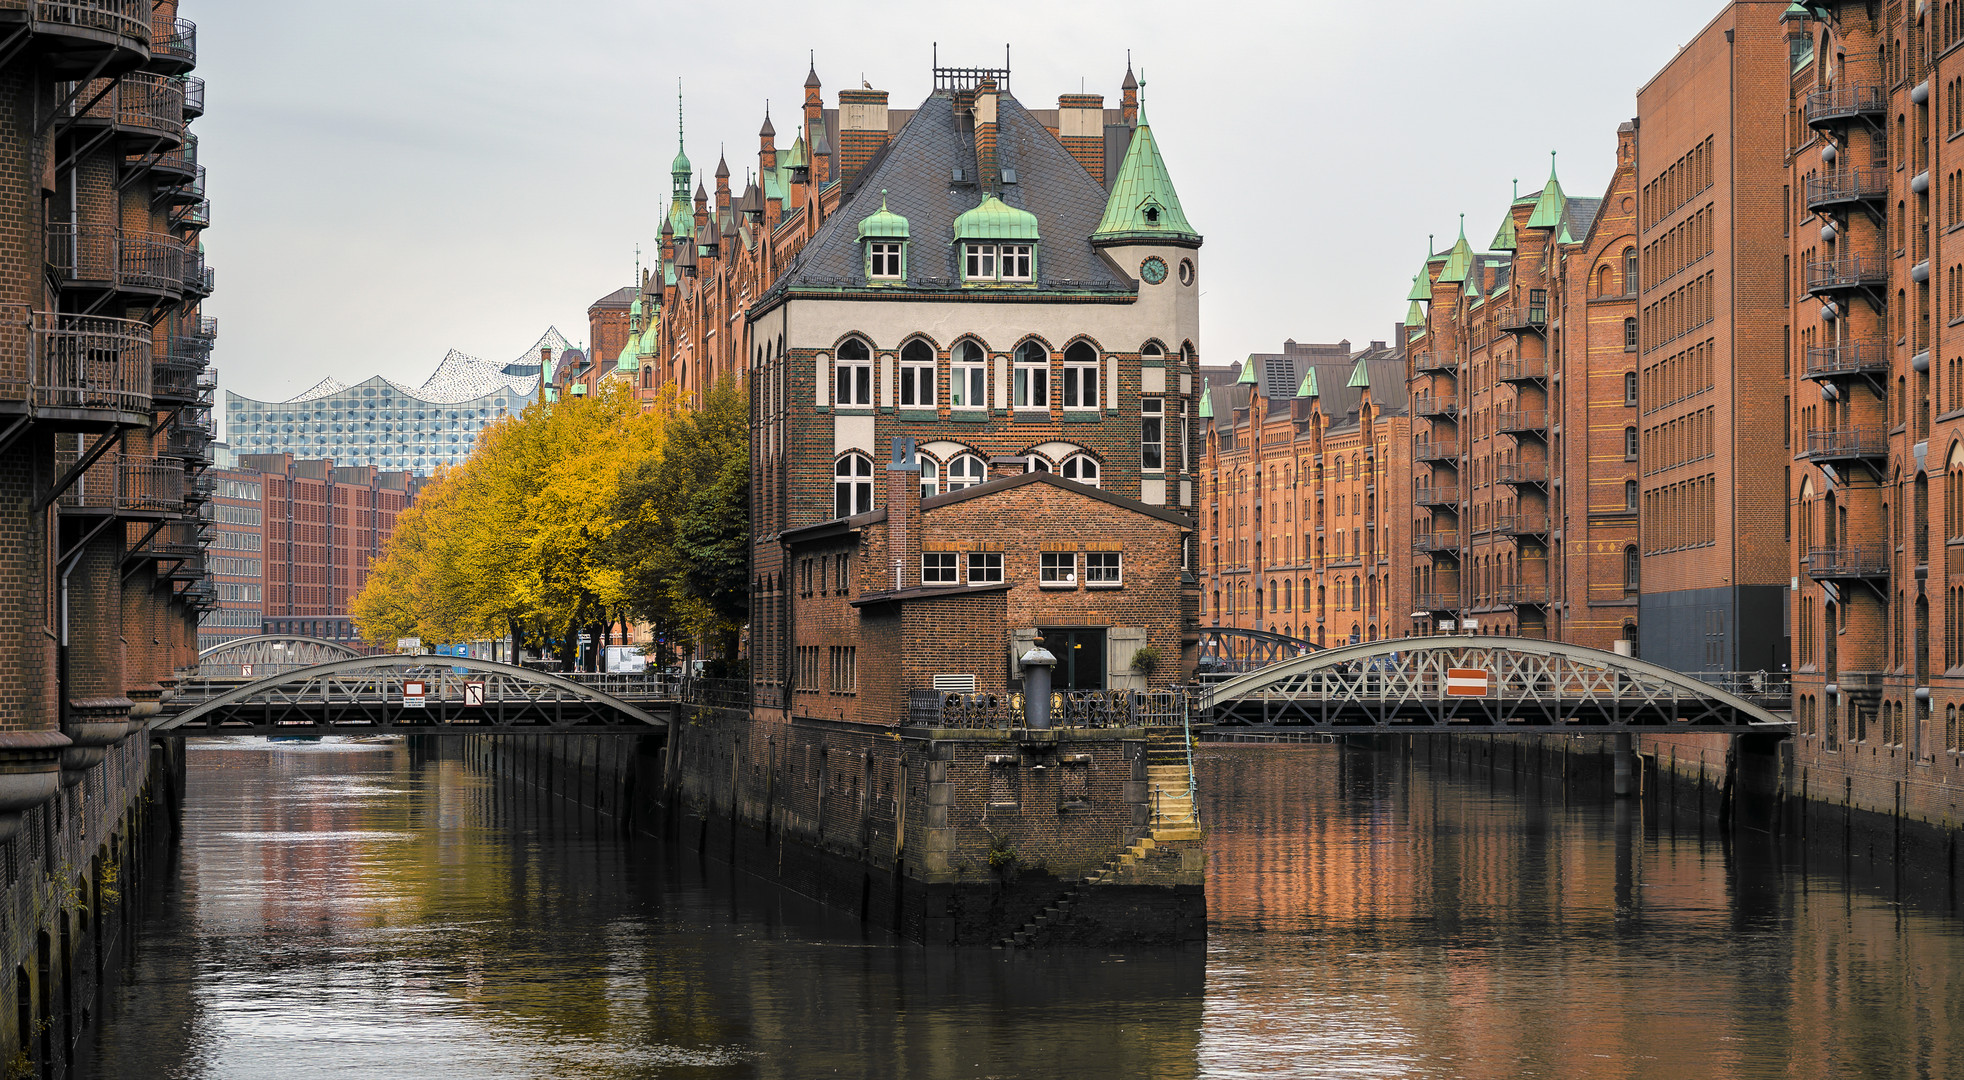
(1624, 761)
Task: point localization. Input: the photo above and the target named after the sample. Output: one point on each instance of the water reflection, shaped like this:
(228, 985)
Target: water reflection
(342, 909)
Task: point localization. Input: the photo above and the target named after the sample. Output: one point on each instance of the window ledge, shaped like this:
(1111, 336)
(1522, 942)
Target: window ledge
(1083, 416)
(1107, 585)
(1058, 585)
(914, 412)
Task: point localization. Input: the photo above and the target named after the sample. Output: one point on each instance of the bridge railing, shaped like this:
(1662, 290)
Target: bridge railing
(628, 684)
(716, 693)
(1068, 709)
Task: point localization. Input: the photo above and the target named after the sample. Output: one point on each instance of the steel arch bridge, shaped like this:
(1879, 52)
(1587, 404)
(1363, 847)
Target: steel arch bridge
(413, 695)
(1481, 685)
(268, 654)
(1230, 650)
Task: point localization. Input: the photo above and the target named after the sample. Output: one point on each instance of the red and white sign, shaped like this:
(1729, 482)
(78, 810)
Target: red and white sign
(473, 693)
(247, 672)
(1466, 682)
(412, 694)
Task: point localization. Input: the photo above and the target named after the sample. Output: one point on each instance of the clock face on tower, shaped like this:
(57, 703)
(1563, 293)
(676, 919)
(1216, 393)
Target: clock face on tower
(1153, 270)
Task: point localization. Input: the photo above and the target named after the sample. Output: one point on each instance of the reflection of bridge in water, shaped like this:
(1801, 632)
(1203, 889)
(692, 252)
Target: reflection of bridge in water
(303, 686)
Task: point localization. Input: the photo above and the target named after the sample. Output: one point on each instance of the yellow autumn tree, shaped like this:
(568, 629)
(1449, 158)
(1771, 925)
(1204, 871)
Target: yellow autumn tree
(511, 542)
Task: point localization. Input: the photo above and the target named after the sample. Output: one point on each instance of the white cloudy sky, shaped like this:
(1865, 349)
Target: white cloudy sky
(394, 178)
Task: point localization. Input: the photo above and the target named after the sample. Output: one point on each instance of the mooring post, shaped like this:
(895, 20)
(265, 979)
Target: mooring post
(1626, 764)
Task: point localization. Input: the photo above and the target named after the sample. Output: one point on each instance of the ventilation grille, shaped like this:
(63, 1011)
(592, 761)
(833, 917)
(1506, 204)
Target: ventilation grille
(955, 684)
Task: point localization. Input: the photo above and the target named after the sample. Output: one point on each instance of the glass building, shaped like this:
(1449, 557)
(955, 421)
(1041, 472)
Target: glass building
(387, 425)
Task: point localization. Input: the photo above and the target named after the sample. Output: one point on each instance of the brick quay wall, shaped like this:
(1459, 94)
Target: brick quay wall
(947, 838)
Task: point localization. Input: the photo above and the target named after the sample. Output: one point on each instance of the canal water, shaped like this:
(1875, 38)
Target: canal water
(342, 909)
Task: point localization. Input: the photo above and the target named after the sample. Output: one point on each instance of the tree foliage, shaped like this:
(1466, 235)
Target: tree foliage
(551, 527)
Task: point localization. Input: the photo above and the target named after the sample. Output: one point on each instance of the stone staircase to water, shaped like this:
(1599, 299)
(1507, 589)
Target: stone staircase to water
(1169, 777)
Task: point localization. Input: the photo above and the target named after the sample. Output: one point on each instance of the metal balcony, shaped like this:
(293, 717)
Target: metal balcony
(1523, 594)
(193, 335)
(1855, 273)
(1841, 188)
(194, 98)
(1522, 422)
(1425, 363)
(199, 280)
(1520, 473)
(74, 37)
(83, 368)
(177, 380)
(1427, 405)
(1436, 495)
(1868, 357)
(173, 46)
(188, 191)
(1438, 540)
(192, 217)
(180, 161)
(1437, 450)
(1520, 369)
(139, 108)
(102, 257)
(1436, 601)
(1847, 444)
(1841, 105)
(120, 484)
(1528, 524)
(1853, 562)
(1518, 319)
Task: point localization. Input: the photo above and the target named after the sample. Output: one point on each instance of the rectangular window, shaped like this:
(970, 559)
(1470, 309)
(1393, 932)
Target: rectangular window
(1033, 386)
(1059, 568)
(968, 386)
(917, 386)
(844, 572)
(984, 567)
(1080, 386)
(845, 668)
(1152, 434)
(855, 382)
(1103, 569)
(981, 262)
(885, 259)
(938, 568)
(1016, 262)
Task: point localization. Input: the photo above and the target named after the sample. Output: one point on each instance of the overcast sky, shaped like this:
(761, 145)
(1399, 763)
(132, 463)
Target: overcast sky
(394, 178)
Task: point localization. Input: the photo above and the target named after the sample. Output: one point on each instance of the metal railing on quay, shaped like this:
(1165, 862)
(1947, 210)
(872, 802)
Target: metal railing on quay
(715, 693)
(90, 361)
(960, 710)
(1763, 688)
(628, 684)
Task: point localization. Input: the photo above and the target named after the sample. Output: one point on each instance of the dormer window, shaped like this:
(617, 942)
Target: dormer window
(884, 258)
(997, 262)
(998, 244)
(883, 234)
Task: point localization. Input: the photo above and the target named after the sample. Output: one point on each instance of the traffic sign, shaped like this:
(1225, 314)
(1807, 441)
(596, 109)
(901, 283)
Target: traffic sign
(473, 693)
(412, 694)
(408, 644)
(1466, 682)
(246, 670)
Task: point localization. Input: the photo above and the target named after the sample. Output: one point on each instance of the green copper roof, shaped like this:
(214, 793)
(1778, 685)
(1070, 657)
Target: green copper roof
(1143, 204)
(1459, 260)
(996, 220)
(794, 157)
(1473, 276)
(1248, 372)
(1414, 316)
(1360, 375)
(630, 358)
(1207, 404)
(883, 222)
(1308, 388)
(1552, 207)
(1504, 239)
(1565, 238)
(1420, 285)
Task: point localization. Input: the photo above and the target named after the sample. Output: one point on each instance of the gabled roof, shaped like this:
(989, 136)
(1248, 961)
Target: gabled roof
(914, 170)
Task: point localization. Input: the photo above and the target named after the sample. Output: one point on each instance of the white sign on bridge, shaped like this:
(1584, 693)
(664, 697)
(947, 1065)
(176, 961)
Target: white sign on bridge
(413, 692)
(473, 693)
(1466, 682)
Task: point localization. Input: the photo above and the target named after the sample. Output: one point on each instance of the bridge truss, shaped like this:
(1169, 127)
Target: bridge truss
(268, 654)
(1232, 650)
(1481, 684)
(414, 695)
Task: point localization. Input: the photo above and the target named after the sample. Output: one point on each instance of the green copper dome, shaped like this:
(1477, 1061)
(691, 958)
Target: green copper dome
(885, 224)
(996, 220)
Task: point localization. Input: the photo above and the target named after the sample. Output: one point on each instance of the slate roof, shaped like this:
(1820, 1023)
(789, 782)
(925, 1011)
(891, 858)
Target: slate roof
(1582, 214)
(915, 169)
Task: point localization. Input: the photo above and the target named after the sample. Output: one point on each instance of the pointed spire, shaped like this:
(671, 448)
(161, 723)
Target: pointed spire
(680, 167)
(767, 131)
(811, 76)
(1360, 376)
(1459, 260)
(1207, 404)
(722, 166)
(1247, 373)
(1308, 387)
(1414, 318)
(1143, 204)
(1552, 208)
(1130, 82)
(1504, 239)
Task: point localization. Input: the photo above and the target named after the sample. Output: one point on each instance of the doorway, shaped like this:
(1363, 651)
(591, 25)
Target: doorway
(1080, 658)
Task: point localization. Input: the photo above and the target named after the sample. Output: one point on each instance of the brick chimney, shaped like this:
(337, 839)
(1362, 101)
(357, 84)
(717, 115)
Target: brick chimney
(1081, 128)
(987, 168)
(1004, 466)
(862, 129)
(904, 514)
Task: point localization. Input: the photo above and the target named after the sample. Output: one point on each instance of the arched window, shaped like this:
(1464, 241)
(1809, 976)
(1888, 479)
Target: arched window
(966, 471)
(1080, 376)
(852, 486)
(1630, 334)
(1632, 569)
(1630, 272)
(968, 377)
(1039, 463)
(1082, 468)
(1629, 444)
(1031, 384)
(855, 373)
(1629, 388)
(930, 477)
(1605, 281)
(916, 375)
(1288, 598)
(1629, 494)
